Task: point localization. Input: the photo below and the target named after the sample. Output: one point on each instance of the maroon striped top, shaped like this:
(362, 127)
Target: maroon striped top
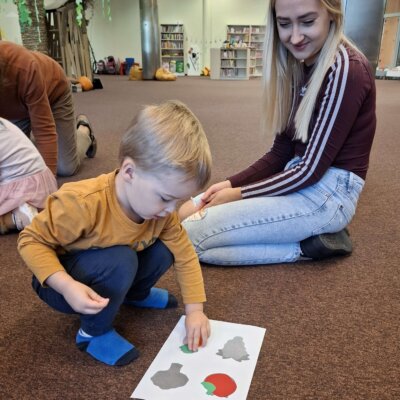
(341, 132)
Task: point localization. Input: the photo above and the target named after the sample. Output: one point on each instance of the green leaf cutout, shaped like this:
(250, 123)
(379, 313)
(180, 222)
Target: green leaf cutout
(209, 387)
(185, 349)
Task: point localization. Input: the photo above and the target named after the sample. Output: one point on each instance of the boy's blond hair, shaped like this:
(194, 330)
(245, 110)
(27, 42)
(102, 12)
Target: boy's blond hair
(282, 73)
(168, 138)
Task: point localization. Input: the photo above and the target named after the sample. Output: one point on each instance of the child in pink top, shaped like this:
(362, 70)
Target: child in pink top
(25, 180)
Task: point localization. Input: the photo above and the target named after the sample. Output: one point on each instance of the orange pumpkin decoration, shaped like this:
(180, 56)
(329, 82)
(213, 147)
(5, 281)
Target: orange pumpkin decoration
(135, 73)
(163, 74)
(86, 83)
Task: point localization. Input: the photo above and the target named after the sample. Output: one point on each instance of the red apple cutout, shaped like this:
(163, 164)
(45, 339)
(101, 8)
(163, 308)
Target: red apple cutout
(220, 385)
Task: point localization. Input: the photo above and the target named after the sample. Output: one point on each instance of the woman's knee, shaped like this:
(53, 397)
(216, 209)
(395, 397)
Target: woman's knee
(195, 230)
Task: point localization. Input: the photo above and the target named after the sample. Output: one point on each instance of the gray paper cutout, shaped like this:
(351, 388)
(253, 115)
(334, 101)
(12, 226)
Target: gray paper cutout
(171, 378)
(235, 349)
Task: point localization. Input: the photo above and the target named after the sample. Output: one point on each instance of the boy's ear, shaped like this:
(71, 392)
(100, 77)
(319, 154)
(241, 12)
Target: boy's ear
(128, 169)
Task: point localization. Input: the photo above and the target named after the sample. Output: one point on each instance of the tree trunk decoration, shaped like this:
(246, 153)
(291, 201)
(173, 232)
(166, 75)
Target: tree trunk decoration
(32, 18)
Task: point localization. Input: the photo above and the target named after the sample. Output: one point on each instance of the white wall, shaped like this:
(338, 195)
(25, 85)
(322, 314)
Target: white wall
(190, 14)
(120, 37)
(233, 12)
(9, 22)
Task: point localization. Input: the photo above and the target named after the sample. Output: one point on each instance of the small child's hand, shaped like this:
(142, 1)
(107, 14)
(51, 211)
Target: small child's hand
(190, 207)
(83, 299)
(80, 297)
(197, 326)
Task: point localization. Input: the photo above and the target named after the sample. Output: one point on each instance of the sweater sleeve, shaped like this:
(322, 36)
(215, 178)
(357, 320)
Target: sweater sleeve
(63, 221)
(33, 92)
(343, 94)
(186, 262)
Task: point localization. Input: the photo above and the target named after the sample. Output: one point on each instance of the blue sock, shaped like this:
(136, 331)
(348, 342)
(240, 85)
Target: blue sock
(157, 298)
(109, 348)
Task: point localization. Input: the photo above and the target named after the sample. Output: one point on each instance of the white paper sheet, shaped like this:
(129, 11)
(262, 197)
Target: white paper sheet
(232, 350)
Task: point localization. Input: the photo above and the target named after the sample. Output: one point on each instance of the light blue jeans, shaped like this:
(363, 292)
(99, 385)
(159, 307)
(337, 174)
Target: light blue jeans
(268, 230)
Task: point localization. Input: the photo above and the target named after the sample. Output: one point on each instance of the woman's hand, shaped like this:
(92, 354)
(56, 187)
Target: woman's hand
(224, 196)
(197, 326)
(220, 193)
(80, 297)
(214, 189)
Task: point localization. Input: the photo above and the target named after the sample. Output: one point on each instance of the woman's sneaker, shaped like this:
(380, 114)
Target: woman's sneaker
(327, 245)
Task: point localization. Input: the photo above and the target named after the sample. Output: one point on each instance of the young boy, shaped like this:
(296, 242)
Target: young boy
(106, 241)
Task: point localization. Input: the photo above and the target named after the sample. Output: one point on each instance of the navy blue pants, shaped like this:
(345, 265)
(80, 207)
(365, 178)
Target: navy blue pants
(116, 273)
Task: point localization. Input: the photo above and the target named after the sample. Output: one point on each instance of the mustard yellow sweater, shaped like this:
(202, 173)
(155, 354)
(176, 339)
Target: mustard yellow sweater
(87, 215)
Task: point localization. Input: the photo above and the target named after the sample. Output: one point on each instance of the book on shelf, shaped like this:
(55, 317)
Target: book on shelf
(171, 28)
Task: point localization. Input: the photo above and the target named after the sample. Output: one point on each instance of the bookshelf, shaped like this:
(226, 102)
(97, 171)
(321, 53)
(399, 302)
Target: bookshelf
(238, 34)
(173, 48)
(251, 36)
(257, 33)
(230, 64)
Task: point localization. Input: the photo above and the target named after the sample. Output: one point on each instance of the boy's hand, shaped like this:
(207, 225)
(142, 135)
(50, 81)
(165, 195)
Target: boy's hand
(197, 326)
(80, 297)
(83, 299)
(187, 209)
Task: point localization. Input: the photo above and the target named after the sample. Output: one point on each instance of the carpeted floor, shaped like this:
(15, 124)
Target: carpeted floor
(332, 327)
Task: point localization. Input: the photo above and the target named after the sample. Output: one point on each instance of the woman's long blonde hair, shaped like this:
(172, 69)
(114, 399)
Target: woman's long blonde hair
(283, 73)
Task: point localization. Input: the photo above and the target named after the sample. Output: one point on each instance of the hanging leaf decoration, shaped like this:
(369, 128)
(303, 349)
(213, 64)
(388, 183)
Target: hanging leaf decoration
(24, 14)
(79, 11)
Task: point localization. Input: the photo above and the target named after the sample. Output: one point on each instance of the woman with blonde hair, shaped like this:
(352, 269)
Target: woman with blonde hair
(296, 201)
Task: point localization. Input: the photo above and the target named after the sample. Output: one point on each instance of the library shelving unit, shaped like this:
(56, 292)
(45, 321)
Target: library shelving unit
(173, 48)
(230, 63)
(238, 34)
(253, 37)
(257, 33)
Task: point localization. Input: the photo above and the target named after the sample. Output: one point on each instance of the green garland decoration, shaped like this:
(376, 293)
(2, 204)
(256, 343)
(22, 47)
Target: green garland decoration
(79, 11)
(24, 14)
